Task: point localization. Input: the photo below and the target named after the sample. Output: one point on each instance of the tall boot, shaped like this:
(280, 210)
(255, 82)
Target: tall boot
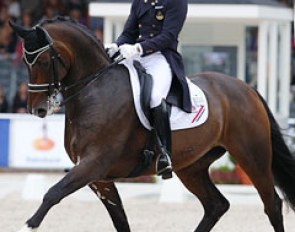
(161, 124)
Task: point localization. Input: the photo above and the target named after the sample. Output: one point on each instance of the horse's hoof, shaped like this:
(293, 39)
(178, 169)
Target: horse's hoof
(25, 228)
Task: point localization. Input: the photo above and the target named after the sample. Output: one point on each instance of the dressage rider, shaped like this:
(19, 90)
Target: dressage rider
(150, 35)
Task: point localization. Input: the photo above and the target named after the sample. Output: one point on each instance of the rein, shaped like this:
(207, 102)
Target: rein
(86, 81)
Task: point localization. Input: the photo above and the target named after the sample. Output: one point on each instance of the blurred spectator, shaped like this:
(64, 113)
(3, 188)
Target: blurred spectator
(49, 13)
(96, 25)
(8, 38)
(4, 15)
(20, 99)
(98, 34)
(14, 9)
(74, 4)
(3, 101)
(53, 8)
(76, 13)
(7, 41)
(75, 10)
(34, 7)
(26, 19)
(4, 40)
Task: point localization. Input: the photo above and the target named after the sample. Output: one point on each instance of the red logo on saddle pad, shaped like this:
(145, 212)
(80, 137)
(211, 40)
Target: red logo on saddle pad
(199, 114)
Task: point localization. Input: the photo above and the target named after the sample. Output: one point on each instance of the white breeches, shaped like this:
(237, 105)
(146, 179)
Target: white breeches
(157, 65)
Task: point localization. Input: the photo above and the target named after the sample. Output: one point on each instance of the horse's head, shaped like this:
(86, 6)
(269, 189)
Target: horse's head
(48, 62)
(58, 53)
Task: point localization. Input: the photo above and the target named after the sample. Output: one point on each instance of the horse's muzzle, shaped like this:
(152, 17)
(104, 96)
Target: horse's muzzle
(39, 112)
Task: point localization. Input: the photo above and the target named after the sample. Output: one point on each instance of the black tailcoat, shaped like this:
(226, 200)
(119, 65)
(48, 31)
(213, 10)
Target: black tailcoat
(156, 24)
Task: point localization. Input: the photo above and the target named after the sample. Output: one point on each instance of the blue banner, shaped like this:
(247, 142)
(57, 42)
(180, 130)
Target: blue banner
(4, 140)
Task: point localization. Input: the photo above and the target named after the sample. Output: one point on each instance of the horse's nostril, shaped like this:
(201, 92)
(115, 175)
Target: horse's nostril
(41, 113)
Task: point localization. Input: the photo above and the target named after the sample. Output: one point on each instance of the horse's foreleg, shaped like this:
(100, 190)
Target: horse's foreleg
(78, 177)
(109, 196)
(196, 179)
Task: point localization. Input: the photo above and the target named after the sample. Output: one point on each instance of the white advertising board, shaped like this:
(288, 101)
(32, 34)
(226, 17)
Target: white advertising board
(37, 143)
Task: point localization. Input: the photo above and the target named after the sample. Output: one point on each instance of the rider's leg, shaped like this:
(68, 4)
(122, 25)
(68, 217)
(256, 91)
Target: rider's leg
(157, 65)
(161, 122)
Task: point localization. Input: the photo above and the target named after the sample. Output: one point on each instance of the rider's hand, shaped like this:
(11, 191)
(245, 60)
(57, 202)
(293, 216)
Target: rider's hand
(112, 49)
(129, 51)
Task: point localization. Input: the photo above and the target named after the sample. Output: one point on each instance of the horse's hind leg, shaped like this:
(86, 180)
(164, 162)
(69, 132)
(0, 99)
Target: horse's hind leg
(196, 179)
(257, 164)
(109, 196)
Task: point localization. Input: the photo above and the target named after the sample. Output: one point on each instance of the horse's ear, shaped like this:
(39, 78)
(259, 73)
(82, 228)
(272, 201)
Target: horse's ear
(19, 30)
(41, 34)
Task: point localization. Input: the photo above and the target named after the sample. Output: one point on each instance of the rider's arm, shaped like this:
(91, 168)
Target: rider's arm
(131, 30)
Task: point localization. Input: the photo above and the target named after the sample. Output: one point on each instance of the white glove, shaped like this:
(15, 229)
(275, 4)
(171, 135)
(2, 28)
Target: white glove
(129, 51)
(112, 49)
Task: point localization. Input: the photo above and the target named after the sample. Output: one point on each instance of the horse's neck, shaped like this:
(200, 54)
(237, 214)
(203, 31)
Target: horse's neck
(84, 67)
(102, 97)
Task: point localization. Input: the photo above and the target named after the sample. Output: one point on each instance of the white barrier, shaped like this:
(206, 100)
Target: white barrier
(172, 191)
(34, 187)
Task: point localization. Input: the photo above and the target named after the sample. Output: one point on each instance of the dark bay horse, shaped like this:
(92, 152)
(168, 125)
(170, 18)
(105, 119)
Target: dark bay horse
(105, 139)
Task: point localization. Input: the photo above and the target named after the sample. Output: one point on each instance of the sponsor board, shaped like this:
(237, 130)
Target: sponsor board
(4, 135)
(37, 143)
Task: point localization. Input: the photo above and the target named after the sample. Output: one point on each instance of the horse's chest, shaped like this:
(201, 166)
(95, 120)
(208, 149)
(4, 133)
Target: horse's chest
(77, 138)
(73, 144)
(73, 150)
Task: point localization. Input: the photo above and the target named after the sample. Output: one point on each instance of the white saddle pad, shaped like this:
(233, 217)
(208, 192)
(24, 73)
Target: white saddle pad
(178, 119)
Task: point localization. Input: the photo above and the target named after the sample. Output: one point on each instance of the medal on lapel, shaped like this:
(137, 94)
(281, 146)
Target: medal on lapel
(159, 15)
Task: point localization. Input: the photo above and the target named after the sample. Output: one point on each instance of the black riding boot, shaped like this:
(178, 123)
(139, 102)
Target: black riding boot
(161, 124)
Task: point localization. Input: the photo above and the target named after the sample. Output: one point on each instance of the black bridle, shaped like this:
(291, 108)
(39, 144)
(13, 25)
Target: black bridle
(54, 86)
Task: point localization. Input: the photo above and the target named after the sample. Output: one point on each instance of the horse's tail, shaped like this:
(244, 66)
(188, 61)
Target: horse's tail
(283, 163)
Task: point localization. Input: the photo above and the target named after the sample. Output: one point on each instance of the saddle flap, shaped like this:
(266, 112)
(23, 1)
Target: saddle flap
(146, 84)
(179, 119)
